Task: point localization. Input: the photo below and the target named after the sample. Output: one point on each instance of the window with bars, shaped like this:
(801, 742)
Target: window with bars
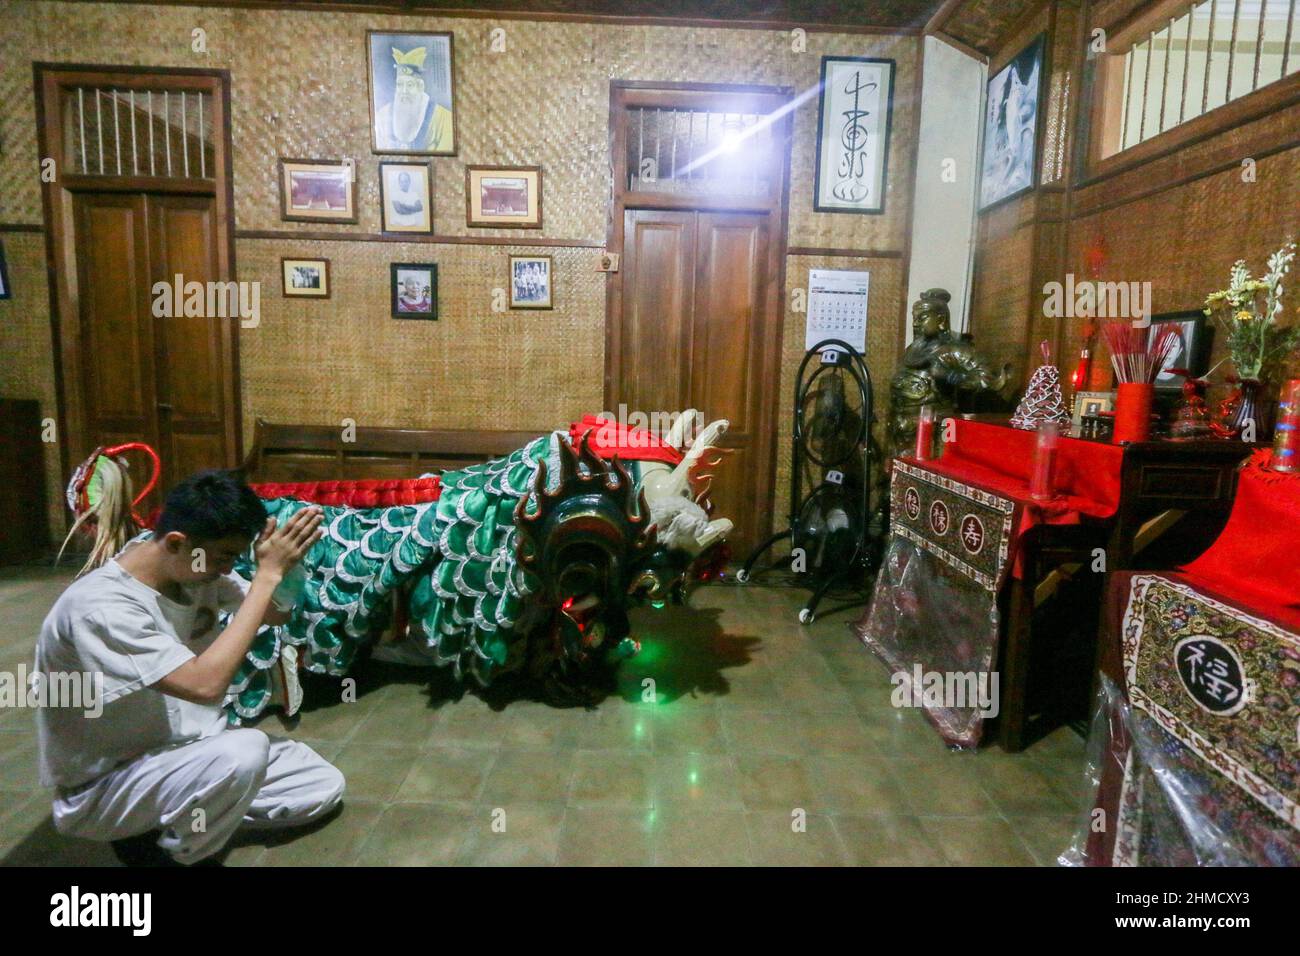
(1214, 52)
(135, 132)
(699, 152)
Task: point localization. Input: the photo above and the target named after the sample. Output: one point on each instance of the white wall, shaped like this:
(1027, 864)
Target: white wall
(943, 217)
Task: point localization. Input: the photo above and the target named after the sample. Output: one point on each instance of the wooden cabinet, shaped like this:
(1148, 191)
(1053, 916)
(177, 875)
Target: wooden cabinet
(23, 515)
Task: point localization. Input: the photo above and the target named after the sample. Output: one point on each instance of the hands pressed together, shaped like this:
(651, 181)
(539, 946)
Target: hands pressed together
(279, 548)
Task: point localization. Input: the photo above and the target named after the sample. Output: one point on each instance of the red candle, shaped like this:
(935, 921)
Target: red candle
(925, 434)
(1042, 478)
(1286, 438)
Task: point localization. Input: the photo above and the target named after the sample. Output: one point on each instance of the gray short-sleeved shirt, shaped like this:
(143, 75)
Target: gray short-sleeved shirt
(109, 623)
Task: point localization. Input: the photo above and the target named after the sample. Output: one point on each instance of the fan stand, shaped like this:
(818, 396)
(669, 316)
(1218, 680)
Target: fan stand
(856, 448)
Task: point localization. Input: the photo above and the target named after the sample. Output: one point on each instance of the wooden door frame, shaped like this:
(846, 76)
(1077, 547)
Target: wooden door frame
(758, 99)
(49, 80)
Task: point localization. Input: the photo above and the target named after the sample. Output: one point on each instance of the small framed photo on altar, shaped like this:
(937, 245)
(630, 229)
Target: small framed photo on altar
(530, 282)
(305, 278)
(412, 93)
(1191, 352)
(318, 190)
(406, 197)
(507, 197)
(853, 120)
(1090, 405)
(414, 287)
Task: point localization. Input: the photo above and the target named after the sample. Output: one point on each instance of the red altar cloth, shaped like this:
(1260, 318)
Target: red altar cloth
(609, 438)
(1253, 562)
(999, 458)
(361, 493)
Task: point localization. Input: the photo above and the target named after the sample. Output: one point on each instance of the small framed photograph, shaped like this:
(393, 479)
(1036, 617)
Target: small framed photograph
(1011, 126)
(5, 292)
(507, 197)
(318, 190)
(853, 121)
(1192, 352)
(305, 278)
(414, 290)
(530, 282)
(406, 197)
(412, 96)
(1088, 404)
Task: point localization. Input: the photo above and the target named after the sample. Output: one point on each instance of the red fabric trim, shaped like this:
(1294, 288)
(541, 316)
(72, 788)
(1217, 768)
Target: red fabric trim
(608, 438)
(360, 493)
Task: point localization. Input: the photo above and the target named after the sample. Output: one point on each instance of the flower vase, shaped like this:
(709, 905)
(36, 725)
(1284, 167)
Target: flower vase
(1247, 418)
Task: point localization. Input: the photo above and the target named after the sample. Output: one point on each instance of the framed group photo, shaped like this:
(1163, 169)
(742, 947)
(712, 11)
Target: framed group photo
(853, 120)
(1009, 165)
(406, 197)
(305, 278)
(507, 197)
(414, 289)
(318, 190)
(530, 282)
(412, 94)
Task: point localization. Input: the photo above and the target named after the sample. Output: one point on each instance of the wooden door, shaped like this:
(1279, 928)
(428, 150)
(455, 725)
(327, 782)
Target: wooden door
(731, 325)
(192, 350)
(694, 313)
(142, 195)
(117, 373)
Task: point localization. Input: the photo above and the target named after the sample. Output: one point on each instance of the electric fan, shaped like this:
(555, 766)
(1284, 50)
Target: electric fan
(829, 527)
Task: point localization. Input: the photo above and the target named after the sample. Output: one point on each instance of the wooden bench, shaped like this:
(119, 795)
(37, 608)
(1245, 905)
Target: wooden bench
(283, 453)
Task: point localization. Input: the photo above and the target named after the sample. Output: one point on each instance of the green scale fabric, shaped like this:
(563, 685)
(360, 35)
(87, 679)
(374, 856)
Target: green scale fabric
(457, 557)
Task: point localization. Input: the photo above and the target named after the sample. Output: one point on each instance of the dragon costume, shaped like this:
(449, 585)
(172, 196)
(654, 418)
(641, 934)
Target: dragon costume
(523, 564)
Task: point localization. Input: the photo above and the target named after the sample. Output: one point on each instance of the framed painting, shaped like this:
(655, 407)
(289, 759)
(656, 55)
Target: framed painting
(508, 197)
(1009, 166)
(853, 121)
(412, 93)
(318, 190)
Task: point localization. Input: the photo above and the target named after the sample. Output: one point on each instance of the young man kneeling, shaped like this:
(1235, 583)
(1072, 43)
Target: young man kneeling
(158, 772)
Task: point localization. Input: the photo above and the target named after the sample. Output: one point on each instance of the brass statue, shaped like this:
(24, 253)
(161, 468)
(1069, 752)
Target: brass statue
(936, 366)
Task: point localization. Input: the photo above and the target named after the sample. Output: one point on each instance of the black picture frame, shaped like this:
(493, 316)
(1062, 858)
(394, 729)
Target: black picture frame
(1194, 355)
(1035, 52)
(879, 208)
(6, 291)
(400, 312)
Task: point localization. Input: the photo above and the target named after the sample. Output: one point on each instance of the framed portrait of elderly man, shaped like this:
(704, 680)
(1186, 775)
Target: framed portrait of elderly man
(412, 101)
(406, 197)
(414, 287)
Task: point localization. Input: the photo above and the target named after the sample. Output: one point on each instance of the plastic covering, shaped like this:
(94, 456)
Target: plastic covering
(1152, 801)
(926, 615)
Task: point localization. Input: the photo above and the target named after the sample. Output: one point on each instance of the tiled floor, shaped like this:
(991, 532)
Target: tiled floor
(755, 722)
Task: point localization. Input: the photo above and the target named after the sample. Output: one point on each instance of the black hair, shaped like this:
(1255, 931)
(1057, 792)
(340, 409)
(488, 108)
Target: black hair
(212, 504)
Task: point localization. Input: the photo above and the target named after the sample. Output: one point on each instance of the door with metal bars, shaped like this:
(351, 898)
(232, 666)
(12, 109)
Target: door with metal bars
(139, 223)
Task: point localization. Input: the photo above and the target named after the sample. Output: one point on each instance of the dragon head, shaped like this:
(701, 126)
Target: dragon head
(599, 542)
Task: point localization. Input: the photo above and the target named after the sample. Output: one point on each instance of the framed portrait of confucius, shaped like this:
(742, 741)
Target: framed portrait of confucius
(412, 93)
(853, 120)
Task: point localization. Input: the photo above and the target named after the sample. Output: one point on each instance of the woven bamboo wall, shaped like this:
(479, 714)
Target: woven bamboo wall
(1178, 221)
(299, 89)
